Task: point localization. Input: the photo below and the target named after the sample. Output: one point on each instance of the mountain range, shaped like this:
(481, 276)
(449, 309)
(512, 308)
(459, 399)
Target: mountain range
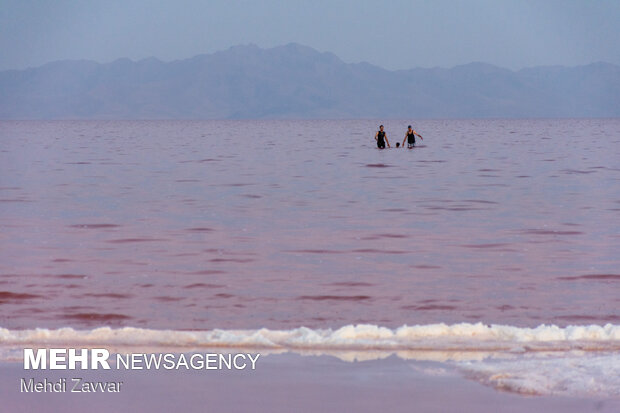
(295, 81)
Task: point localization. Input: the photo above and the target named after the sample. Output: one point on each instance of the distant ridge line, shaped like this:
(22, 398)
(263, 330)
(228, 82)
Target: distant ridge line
(296, 81)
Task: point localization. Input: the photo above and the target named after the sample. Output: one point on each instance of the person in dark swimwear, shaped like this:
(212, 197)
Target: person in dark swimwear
(410, 137)
(381, 138)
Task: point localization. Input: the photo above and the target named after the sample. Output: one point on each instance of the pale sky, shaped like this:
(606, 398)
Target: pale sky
(395, 34)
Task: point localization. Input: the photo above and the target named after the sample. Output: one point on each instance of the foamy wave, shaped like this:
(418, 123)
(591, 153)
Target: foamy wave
(543, 360)
(589, 374)
(463, 336)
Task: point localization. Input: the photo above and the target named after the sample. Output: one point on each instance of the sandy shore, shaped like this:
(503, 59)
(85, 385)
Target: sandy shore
(285, 383)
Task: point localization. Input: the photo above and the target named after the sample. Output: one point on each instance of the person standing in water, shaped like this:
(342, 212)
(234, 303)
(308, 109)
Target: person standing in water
(381, 138)
(410, 137)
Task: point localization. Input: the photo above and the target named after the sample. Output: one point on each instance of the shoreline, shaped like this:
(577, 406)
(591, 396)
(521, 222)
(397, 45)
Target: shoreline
(288, 382)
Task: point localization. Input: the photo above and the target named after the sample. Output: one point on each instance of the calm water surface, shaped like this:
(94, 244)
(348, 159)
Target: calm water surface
(279, 224)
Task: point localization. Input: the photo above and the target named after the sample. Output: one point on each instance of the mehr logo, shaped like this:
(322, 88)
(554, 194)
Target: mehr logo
(63, 359)
(97, 358)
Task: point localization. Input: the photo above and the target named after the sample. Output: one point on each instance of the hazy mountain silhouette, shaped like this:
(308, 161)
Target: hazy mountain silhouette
(295, 81)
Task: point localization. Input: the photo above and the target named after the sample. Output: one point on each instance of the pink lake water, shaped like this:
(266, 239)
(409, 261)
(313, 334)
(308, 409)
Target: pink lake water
(197, 225)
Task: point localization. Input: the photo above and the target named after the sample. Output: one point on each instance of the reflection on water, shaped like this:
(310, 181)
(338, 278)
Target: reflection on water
(246, 224)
